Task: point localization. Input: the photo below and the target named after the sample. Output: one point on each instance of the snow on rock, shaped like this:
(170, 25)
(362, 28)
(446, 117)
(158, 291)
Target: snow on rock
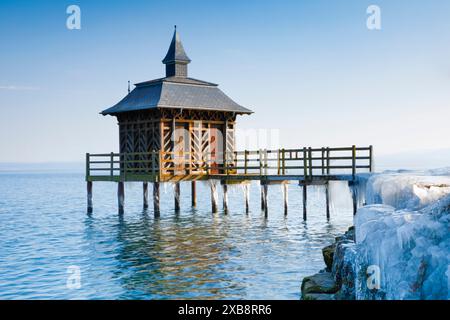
(404, 233)
(407, 190)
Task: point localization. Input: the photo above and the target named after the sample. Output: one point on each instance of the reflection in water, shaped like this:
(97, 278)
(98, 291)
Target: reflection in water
(193, 254)
(174, 258)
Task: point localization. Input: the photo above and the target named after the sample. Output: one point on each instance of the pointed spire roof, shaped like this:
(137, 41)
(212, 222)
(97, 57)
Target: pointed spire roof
(176, 51)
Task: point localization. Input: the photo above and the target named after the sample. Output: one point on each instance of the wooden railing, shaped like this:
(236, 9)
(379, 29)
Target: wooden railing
(305, 162)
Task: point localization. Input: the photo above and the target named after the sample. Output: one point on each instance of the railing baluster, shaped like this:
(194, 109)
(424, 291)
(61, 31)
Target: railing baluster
(310, 164)
(112, 165)
(245, 161)
(305, 164)
(259, 153)
(323, 161)
(278, 162)
(88, 166)
(353, 161)
(328, 160)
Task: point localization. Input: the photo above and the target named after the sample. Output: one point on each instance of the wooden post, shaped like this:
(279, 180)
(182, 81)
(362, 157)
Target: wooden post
(262, 197)
(305, 164)
(260, 161)
(283, 161)
(328, 160)
(121, 196)
(89, 197)
(156, 198)
(247, 196)
(153, 163)
(88, 166)
(305, 196)
(265, 193)
(145, 194)
(225, 198)
(213, 197)
(353, 161)
(371, 158)
(111, 168)
(310, 163)
(245, 161)
(327, 199)
(354, 193)
(323, 161)
(285, 197)
(279, 162)
(194, 193)
(177, 196)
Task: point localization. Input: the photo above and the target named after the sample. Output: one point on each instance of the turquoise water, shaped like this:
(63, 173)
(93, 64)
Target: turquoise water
(44, 231)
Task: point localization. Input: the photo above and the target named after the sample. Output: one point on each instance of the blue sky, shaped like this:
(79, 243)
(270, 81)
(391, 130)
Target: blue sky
(310, 69)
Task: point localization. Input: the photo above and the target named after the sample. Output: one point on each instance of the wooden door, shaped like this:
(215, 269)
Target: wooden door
(216, 149)
(181, 149)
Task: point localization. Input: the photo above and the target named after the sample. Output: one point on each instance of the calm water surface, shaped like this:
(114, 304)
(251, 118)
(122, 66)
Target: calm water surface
(44, 229)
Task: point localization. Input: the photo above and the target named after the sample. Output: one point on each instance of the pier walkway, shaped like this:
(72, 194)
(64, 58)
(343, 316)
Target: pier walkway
(308, 166)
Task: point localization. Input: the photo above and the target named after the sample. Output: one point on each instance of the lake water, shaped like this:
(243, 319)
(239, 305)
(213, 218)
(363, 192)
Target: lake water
(45, 234)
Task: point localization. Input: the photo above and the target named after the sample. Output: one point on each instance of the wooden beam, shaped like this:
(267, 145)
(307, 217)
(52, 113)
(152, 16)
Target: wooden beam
(121, 196)
(89, 197)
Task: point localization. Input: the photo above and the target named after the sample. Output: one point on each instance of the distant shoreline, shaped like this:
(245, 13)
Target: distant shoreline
(44, 167)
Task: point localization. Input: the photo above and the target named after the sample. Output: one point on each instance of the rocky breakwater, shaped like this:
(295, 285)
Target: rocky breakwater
(399, 248)
(337, 280)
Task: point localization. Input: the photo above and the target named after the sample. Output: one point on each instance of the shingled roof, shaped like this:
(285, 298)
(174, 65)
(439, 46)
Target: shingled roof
(176, 90)
(166, 93)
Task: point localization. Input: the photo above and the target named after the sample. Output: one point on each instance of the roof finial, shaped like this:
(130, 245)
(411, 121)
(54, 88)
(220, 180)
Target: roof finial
(128, 86)
(175, 27)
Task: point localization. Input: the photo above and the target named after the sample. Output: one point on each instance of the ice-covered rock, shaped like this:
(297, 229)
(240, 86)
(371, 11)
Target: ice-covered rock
(403, 238)
(409, 190)
(344, 269)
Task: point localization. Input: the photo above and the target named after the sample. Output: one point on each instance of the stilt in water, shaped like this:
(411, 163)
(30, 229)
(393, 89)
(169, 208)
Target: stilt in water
(194, 193)
(213, 196)
(247, 197)
(145, 194)
(156, 198)
(305, 201)
(262, 198)
(89, 197)
(354, 191)
(121, 196)
(285, 197)
(225, 198)
(177, 196)
(265, 188)
(327, 199)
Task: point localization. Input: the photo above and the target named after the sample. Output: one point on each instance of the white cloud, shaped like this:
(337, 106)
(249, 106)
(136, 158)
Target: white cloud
(18, 88)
